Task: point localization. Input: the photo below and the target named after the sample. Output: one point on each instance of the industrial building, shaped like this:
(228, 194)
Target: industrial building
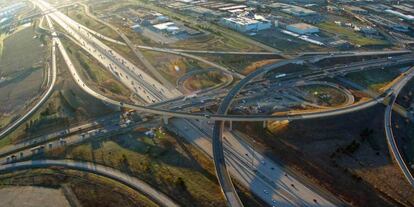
(292, 10)
(302, 28)
(10, 10)
(400, 15)
(202, 12)
(167, 27)
(136, 28)
(245, 24)
(404, 8)
(356, 10)
(377, 7)
(396, 26)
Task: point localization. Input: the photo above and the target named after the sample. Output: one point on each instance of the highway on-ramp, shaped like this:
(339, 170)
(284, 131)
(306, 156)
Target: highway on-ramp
(388, 127)
(111, 173)
(218, 150)
(52, 72)
(224, 178)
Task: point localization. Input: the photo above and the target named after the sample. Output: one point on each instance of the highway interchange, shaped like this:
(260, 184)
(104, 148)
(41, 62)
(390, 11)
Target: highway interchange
(156, 94)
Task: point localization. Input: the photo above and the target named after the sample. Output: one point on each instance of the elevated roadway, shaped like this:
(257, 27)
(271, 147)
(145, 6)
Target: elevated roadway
(52, 72)
(165, 112)
(218, 152)
(221, 116)
(137, 53)
(79, 80)
(128, 73)
(212, 64)
(252, 169)
(392, 143)
(133, 182)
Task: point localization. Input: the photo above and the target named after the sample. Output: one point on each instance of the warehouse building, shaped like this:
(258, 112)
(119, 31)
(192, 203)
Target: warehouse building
(302, 28)
(400, 15)
(299, 11)
(292, 9)
(356, 10)
(201, 12)
(245, 24)
(168, 27)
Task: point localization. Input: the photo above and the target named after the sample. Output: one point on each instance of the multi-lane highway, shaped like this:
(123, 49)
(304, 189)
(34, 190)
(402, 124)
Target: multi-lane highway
(152, 91)
(262, 176)
(261, 71)
(70, 66)
(218, 162)
(233, 198)
(147, 87)
(128, 42)
(218, 152)
(335, 71)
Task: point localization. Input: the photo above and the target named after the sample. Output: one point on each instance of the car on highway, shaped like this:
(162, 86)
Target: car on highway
(87, 81)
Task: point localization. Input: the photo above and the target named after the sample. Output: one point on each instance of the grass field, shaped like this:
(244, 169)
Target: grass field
(22, 66)
(217, 38)
(244, 64)
(324, 151)
(95, 75)
(204, 80)
(403, 128)
(374, 79)
(21, 51)
(168, 164)
(79, 15)
(168, 64)
(349, 34)
(325, 95)
(89, 189)
(68, 105)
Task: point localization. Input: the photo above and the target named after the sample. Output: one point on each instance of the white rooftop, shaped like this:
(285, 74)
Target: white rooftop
(163, 26)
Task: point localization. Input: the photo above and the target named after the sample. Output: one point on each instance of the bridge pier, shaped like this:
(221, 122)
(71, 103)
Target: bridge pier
(231, 125)
(264, 124)
(165, 120)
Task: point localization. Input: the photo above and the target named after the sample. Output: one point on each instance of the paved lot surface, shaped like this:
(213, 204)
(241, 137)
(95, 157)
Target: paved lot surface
(29, 196)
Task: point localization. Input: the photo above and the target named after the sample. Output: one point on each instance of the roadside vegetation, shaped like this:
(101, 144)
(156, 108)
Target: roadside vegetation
(88, 189)
(256, 65)
(213, 40)
(243, 64)
(204, 80)
(95, 75)
(164, 161)
(350, 35)
(22, 72)
(67, 106)
(325, 95)
(403, 127)
(168, 164)
(376, 80)
(78, 14)
(172, 67)
(352, 147)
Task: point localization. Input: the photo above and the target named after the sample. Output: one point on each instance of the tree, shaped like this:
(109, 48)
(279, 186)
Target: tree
(181, 184)
(366, 134)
